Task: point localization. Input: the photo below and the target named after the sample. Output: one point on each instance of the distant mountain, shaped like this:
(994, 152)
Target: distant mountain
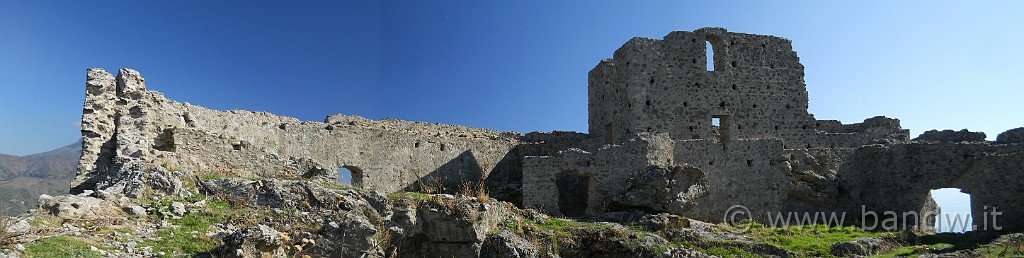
(23, 179)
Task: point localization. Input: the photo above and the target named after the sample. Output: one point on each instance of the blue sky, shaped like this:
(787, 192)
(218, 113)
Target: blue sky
(507, 65)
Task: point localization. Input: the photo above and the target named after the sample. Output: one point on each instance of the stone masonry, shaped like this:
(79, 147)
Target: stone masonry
(666, 135)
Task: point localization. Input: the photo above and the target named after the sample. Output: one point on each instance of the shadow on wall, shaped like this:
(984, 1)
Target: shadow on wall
(449, 177)
(502, 182)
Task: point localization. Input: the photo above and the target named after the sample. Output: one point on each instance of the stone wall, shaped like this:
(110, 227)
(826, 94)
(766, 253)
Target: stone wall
(123, 121)
(899, 178)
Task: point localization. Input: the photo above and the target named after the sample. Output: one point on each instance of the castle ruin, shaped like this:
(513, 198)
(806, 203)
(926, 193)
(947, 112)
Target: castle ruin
(666, 135)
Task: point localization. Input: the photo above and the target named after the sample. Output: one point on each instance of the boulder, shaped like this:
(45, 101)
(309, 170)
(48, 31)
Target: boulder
(19, 227)
(861, 247)
(505, 244)
(135, 210)
(255, 241)
(178, 209)
(79, 207)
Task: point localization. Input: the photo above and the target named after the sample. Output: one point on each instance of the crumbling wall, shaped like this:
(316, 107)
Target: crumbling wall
(663, 85)
(899, 177)
(1015, 135)
(950, 136)
(123, 121)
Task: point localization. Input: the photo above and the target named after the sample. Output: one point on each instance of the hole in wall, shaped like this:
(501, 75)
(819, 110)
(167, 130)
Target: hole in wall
(750, 163)
(344, 176)
(733, 63)
(710, 55)
(164, 141)
(350, 175)
(734, 87)
(954, 210)
(720, 127)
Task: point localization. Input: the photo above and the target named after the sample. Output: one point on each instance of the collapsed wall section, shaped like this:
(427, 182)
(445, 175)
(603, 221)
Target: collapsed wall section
(575, 182)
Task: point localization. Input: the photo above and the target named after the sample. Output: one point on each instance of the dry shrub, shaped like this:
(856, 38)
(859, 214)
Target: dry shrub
(5, 236)
(476, 189)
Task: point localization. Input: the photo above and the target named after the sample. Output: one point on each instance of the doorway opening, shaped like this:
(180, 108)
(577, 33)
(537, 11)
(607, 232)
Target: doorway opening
(573, 193)
(954, 210)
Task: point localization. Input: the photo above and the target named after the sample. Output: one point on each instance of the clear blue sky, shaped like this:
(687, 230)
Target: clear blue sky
(507, 65)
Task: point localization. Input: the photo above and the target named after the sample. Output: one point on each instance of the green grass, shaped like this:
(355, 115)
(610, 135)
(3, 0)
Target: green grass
(914, 250)
(207, 177)
(62, 246)
(555, 231)
(177, 241)
(809, 240)
(410, 196)
(950, 242)
(730, 251)
(1003, 250)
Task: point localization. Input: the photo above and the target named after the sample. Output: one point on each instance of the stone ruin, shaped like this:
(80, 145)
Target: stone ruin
(666, 135)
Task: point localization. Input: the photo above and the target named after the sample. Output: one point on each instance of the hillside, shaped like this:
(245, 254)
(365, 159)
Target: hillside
(23, 179)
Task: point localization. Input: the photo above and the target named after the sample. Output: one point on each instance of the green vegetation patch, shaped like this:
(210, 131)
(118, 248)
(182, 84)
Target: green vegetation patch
(410, 196)
(814, 240)
(188, 236)
(62, 246)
